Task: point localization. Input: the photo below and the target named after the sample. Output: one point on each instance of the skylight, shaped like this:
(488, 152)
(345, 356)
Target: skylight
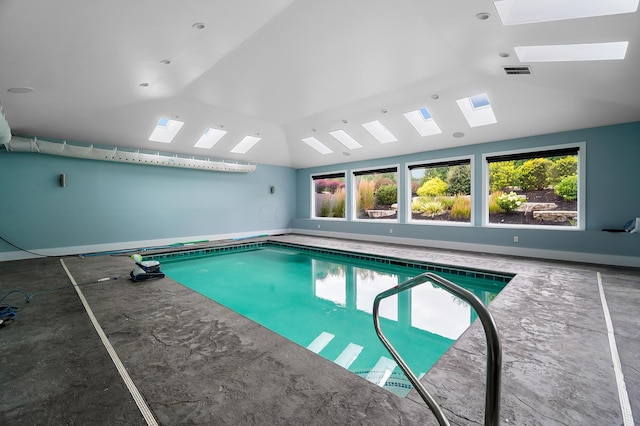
(422, 121)
(479, 101)
(165, 130)
(514, 12)
(573, 52)
(345, 139)
(245, 144)
(378, 131)
(477, 110)
(317, 145)
(210, 138)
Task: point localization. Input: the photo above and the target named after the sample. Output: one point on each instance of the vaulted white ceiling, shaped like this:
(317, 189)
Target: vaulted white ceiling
(285, 70)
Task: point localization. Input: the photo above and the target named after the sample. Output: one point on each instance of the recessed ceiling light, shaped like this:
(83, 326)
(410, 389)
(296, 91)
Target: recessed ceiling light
(346, 154)
(458, 135)
(483, 16)
(165, 62)
(503, 54)
(20, 90)
(143, 84)
(435, 97)
(198, 26)
(383, 110)
(345, 121)
(317, 145)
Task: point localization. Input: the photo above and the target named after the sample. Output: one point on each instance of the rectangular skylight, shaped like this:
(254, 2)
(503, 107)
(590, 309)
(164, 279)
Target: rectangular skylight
(514, 12)
(479, 101)
(477, 110)
(165, 130)
(317, 145)
(422, 121)
(245, 144)
(210, 138)
(378, 131)
(573, 52)
(345, 139)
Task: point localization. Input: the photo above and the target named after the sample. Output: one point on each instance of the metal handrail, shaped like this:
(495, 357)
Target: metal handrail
(494, 349)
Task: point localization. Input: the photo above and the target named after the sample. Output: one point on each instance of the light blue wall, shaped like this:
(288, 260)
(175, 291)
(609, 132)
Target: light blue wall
(112, 203)
(612, 198)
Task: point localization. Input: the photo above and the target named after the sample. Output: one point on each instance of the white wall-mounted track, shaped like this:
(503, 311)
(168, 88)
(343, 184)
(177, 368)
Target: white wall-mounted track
(64, 149)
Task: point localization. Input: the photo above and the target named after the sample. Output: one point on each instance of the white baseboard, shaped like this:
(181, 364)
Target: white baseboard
(131, 245)
(601, 259)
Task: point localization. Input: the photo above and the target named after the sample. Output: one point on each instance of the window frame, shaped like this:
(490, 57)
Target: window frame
(354, 192)
(435, 162)
(313, 178)
(581, 205)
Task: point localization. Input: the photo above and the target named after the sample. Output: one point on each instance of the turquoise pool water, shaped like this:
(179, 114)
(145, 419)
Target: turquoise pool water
(324, 302)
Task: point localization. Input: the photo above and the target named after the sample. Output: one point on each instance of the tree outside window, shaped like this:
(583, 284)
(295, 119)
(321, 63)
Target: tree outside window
(534, 188)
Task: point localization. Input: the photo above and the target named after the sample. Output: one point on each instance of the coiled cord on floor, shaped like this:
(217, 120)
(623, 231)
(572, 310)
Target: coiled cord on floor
(7, 314)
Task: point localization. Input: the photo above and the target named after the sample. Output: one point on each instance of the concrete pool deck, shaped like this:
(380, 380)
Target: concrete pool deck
(196, 362)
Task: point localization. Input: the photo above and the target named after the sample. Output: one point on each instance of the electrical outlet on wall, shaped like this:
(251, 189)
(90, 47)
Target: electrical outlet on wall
(515, 238)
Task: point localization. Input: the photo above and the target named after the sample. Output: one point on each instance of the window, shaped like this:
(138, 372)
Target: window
(422, 121)
(378, 131)
(165, 130)
(209, 138)
(328, 195)
(245, 144)
(376, 194)
(441, 191)
(477, 110)
(538, 188)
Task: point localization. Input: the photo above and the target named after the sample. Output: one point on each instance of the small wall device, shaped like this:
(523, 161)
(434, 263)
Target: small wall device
(632, 226)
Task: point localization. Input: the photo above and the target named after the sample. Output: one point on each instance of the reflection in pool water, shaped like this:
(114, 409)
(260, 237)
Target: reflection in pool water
(325, 303)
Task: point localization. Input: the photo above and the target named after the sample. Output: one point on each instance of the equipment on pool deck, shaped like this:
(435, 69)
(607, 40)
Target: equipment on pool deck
(146, 269)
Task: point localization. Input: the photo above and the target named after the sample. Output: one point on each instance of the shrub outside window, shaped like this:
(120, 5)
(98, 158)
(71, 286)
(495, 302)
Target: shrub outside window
(441, 191)
(539, 188)
(376, 194)
(329, 195)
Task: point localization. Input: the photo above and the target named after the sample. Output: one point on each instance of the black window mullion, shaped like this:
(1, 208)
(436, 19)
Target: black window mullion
(534, 154)
(440, 164)
(376, 171)
(329, 176)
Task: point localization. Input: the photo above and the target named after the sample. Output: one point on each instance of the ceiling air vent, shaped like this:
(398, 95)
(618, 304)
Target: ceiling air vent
(522, 70)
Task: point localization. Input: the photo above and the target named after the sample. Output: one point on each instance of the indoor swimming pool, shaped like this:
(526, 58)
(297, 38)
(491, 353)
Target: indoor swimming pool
(323, 301)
